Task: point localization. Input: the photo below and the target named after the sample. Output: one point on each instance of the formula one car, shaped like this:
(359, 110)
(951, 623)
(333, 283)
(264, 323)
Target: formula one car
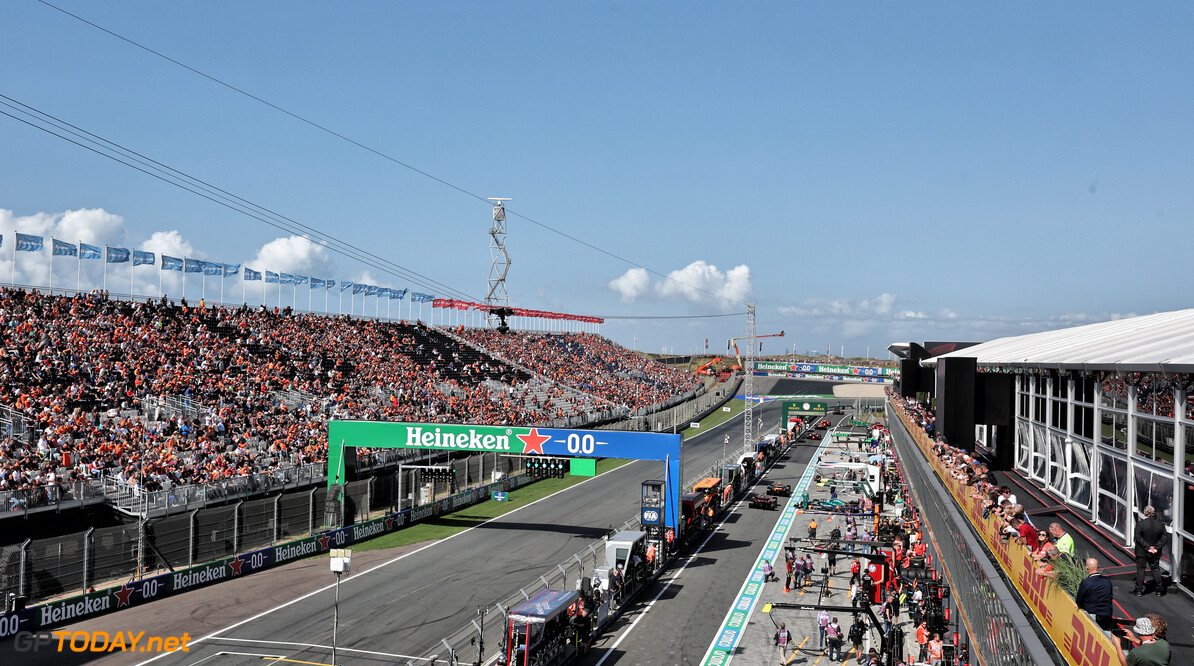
(763, 502)
(838, 410)
(823, 424)
(813, 434)
(777, 488)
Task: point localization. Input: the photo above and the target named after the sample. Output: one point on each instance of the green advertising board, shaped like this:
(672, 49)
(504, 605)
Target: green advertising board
(794, 408)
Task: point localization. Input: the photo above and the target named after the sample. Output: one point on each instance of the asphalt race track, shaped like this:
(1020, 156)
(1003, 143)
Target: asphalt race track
(401, 602)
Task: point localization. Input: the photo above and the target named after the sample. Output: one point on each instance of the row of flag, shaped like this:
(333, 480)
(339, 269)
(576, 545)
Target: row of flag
(453, 304)
(123, 255)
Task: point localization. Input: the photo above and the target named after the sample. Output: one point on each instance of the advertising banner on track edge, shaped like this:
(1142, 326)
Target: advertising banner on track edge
(135, 593)
(1076, 635)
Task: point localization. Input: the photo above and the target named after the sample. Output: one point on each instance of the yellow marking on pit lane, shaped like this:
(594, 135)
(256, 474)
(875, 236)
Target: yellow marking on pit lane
(296, 661)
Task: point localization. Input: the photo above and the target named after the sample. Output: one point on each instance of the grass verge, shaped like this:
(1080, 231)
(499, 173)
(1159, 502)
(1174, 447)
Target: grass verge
(716, 418)
(458, 521)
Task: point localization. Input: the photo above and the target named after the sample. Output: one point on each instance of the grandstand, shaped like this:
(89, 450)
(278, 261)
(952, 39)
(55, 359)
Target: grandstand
(106, 400)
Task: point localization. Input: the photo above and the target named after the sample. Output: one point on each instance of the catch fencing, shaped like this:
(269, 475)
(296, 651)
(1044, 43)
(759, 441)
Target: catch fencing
(42, 569)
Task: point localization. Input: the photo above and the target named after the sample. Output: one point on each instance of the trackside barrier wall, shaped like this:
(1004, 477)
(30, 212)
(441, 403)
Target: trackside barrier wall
(998, 637)
(136, 593)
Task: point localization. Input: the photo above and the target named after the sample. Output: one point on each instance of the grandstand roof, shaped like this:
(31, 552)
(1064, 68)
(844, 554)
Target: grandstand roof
(1161, 342)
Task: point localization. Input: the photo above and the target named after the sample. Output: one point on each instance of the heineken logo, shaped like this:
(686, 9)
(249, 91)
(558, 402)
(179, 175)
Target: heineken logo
(293, 551)
(185, 579)
(445, 436)
(362, 532)
(458, 437)
(67, 610)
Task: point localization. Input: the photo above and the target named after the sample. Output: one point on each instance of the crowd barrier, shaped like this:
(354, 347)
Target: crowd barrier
(1080, 641)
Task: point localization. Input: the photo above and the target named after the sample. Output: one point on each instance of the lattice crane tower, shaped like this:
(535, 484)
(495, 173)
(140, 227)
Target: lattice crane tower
(748, 422)
(500, 266)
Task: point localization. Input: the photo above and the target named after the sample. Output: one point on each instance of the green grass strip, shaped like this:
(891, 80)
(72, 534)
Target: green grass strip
(458, 521)
(716, 418)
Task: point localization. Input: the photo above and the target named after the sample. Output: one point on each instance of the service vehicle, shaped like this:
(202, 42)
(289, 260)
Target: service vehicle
(540, 630)
(719, 494)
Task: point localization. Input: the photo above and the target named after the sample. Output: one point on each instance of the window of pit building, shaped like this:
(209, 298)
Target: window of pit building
(1113, 391)
(1084, 389)
(1113, 430)
(1154, 487)
(1113, 493)
(1084, 421)
(1154, 395)
(1154, 440)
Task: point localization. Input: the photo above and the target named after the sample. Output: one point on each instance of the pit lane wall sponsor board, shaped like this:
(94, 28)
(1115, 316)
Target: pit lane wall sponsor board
(822, 369)
(1078, 638)
(725, 643)
(68, 611)
(832, 378)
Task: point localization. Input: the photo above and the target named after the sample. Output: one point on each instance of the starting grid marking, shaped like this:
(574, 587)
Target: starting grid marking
(730, 634)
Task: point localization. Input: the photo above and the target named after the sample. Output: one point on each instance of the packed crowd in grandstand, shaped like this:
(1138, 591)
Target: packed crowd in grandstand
(81, 382)
(616, 374)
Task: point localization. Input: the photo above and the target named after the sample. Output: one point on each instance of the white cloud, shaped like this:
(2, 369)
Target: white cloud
(632, 284)
(294, 254)
(698, 282)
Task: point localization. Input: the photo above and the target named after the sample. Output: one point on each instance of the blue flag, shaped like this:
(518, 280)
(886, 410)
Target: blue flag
(287, 278)
(398, 293)
(370, 290)
(89, 251)
(383, 292)
(317, 283)
(65, 249)
(170, 263)
(142, 258)
(329, 283)
(345, 285)
(271, 277)
(358, 288)
(416, 297)
(251, 274)
(213, 268)
(29, 243)
(231, 269)
(300, 279)
(118, 255)
(193, 265)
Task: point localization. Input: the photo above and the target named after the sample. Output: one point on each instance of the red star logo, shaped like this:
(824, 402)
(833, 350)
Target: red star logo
(236, 564)
(123, 594)
(389, 523)
(323, 541)
(533, 441)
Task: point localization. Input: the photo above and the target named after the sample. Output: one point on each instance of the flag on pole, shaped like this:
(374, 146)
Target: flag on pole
(171, 263)
(193, 265)
(398, 294)
(231, 269)
(62, 249)
(142, 258)
(358, 288)
(89, 251)
(345, 285)
(317, 283)
(416, 297)
(212, 268)
(329, 283)
(370, 290)
(29, 243)
(118, 255)
(271, 277)
(251, 274)
(286, 278)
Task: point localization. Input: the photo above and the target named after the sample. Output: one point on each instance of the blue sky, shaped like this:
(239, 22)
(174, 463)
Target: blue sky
(864, 172)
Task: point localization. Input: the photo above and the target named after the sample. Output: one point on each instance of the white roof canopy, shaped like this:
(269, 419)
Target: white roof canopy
(1161, 342)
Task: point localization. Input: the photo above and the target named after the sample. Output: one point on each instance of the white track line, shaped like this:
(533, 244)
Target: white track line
(239, 654)
(642, 613)
(262, 614)
(317, 645)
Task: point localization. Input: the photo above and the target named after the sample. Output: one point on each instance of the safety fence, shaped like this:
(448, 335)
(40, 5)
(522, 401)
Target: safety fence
(47, 568)
(1001, 634)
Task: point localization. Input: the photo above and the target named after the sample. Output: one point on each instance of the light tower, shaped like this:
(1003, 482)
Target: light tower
(498, 297)
(748, 383)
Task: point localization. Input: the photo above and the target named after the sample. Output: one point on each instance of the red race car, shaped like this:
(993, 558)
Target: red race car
(823, 424)
(813, 435)
(763, 502)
